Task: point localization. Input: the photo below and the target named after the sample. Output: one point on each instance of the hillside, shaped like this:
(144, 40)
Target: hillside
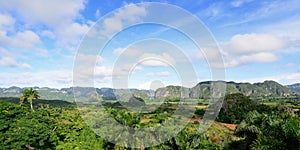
(201, 90)
(294, 87)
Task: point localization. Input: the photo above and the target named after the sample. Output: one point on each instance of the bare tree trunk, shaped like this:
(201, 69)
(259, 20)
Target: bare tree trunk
(31, 106)
(29, 147)
(21, 100)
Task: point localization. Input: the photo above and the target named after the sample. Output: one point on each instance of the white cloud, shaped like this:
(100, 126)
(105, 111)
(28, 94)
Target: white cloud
(103, 71)
(145, 85)
(97, 13)
(131, 51)
(245, 49)
(71, 33)
(25, 66)
(236, 61)
(118, 51)
(159, 74)
(48, 33)
(250, 43)
(154, 63)
(4, 52)
(210, 54)
(213, 11)
(50, 13)
(153, 85)
(42, 52)
(267, 10)
(20, 41)
(25, 39)
(89, 59)
(128, 14)
(6, 22)
(11, 62)
(238, 3)
(151, 59)
(285, 79)
(259, 57)
(8, 60)
(58, 16)
(42, 79)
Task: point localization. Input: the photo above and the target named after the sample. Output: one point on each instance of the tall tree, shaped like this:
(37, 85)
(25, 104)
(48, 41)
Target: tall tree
(270, 131)
(29, 94)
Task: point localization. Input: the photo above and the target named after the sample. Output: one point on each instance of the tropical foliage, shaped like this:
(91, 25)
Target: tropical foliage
(269, 131)
(237, 106)
(29, 94)
(60, 125)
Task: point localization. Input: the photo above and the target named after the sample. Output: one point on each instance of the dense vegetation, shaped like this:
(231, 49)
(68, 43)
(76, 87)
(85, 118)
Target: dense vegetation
(268, 131)
(64, 128)
(60, 125)
(237, 106)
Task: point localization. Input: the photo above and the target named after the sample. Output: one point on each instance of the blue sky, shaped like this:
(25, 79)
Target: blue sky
(39, 42)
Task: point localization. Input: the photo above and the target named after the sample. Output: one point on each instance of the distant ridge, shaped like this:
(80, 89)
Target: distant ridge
(201, 90)
(295, 87)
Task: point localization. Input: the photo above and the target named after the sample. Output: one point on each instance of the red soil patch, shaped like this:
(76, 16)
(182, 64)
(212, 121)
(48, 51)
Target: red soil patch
(230, 126)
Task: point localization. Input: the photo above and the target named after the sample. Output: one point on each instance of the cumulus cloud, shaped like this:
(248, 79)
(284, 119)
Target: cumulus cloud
(25, 39)
(251, 43)
(8, 60)
(245, 49)
(6, 22)
(235, 61)
(88, 75)
(128, 14)
(58, 16)
(71, 33)
(21, 41)
(156, 60)
(50, 13)
(86, 63)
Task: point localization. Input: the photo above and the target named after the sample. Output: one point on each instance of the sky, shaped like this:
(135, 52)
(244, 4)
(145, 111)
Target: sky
(57, 43)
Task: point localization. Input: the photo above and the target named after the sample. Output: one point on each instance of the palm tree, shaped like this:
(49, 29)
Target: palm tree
(29, 94)
(250, 128)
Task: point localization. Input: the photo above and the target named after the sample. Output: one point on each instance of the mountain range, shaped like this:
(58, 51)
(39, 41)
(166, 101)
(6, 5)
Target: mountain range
(295, 87)
(201, 90)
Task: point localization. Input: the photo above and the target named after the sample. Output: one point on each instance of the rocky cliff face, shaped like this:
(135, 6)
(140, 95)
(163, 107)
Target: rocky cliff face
(173, 92)
(201, 90)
